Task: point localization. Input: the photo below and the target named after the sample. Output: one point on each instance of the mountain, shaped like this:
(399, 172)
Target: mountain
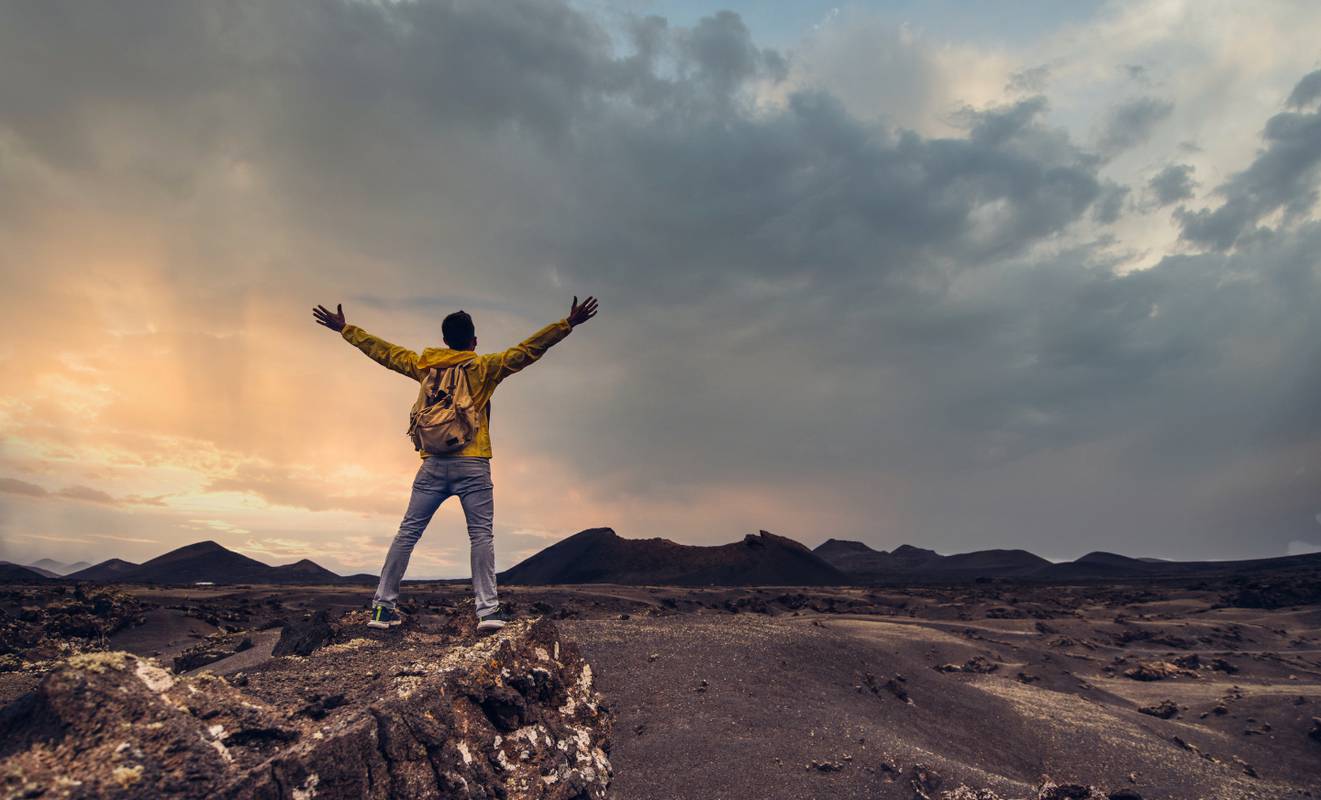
(907, 563)
(54, 569)
(108, 570)
(203, 561)
(856, 558)
(599, 555)
(1099, 565)
(212, 563)
(17, 573)
(305, 571)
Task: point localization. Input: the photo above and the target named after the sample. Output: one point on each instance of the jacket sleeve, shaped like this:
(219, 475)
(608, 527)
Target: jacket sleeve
(399, 359)
(501, 365)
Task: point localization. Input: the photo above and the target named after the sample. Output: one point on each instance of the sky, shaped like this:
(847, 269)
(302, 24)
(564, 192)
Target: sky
(962, 275)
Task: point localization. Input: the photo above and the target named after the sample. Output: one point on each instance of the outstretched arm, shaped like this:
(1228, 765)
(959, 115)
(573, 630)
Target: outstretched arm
(502, 365)
(399, 359)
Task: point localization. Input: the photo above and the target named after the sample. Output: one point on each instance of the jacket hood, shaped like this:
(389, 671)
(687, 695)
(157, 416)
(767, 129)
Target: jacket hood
(444, 357)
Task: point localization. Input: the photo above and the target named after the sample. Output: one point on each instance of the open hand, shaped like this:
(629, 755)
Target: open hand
(578, 314)
(331, 319)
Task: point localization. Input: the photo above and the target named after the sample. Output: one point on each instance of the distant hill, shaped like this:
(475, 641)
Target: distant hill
(108, 570)
(212, 563)
(52, 568)
(599, 555)
(856, 558)
(304, 571)
(17, 573)
(907, 563)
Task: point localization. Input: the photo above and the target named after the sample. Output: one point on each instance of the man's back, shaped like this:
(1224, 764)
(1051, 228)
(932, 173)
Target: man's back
(485, 372)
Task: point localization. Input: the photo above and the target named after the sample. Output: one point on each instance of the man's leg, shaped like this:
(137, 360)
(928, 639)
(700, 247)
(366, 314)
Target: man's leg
(471, 481)
(429, 491)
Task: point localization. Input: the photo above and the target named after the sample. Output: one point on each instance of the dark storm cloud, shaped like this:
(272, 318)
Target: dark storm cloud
(1307, 91)
(790, 293)
(1282, 178)
(1172, 184)
(1132, 123)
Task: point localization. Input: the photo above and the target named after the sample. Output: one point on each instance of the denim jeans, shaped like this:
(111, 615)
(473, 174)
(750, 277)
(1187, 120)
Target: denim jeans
(438, 478)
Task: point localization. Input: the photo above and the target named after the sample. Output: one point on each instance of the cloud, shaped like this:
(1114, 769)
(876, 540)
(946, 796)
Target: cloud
(1282, 178)
(86, 493)
(1131, 123)
(1172, 184)
(77, 492)
(16, 486)
(297, 488)
(1306, 92)
(850, 288)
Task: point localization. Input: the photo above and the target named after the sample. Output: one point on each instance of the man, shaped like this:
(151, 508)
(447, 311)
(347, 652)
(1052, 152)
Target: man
(466, 473)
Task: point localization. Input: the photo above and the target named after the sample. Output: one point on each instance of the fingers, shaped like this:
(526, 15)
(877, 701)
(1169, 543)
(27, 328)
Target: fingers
(331, 319)
(574, 305)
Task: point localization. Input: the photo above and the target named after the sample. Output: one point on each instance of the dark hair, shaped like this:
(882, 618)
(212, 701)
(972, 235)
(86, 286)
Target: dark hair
(458, 330)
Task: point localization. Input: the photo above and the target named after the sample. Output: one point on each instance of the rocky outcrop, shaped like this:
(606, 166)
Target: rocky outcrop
(401, 714)
(57, 622)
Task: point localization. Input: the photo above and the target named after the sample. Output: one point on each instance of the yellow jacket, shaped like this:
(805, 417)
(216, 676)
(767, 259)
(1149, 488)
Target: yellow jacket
(483, 377)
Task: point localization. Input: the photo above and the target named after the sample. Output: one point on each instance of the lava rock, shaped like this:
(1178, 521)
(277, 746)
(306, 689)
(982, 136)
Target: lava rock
(303, 637)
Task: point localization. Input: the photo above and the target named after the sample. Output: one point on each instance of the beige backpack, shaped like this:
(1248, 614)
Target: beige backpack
(443, 419)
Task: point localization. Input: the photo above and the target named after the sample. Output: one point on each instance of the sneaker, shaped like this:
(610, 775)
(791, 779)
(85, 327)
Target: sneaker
(383, 617)
(495, 620)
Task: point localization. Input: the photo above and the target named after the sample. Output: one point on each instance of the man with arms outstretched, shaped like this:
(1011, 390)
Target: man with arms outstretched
(466, 473)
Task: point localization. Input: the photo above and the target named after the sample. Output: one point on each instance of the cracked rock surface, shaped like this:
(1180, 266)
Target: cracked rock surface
(400, 713)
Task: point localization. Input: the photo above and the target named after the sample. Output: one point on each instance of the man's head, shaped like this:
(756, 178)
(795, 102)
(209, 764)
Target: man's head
(458, 331)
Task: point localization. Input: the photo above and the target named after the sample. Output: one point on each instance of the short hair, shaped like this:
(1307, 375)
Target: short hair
(458, 330)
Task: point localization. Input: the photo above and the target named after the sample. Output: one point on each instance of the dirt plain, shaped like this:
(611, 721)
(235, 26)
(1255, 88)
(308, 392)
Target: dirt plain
(990, 690)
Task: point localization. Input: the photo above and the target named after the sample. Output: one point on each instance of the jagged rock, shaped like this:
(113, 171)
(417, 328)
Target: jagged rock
(1166, 709)
(114, 725)
(303, 637)
(212, 649)
(978, 664)
(51, 623)
(1154, 671)
(1049, 790)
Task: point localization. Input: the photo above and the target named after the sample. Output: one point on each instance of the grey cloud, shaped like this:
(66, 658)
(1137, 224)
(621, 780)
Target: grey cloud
(1111, 204)
(1032, 80)
(1283, 178)
(792, 296)
(1172, 184)
(1132, 123)
(1306, 92)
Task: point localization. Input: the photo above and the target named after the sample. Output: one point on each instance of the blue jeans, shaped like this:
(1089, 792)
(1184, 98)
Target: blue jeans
(437, 479)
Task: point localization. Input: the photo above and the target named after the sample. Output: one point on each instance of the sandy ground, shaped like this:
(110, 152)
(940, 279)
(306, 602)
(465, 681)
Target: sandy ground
(843, 693)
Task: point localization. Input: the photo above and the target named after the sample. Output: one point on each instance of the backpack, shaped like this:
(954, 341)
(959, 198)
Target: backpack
(443, 419)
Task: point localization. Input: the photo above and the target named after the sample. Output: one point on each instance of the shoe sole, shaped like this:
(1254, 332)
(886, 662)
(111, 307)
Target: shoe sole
(491, 625)
(375, 624)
